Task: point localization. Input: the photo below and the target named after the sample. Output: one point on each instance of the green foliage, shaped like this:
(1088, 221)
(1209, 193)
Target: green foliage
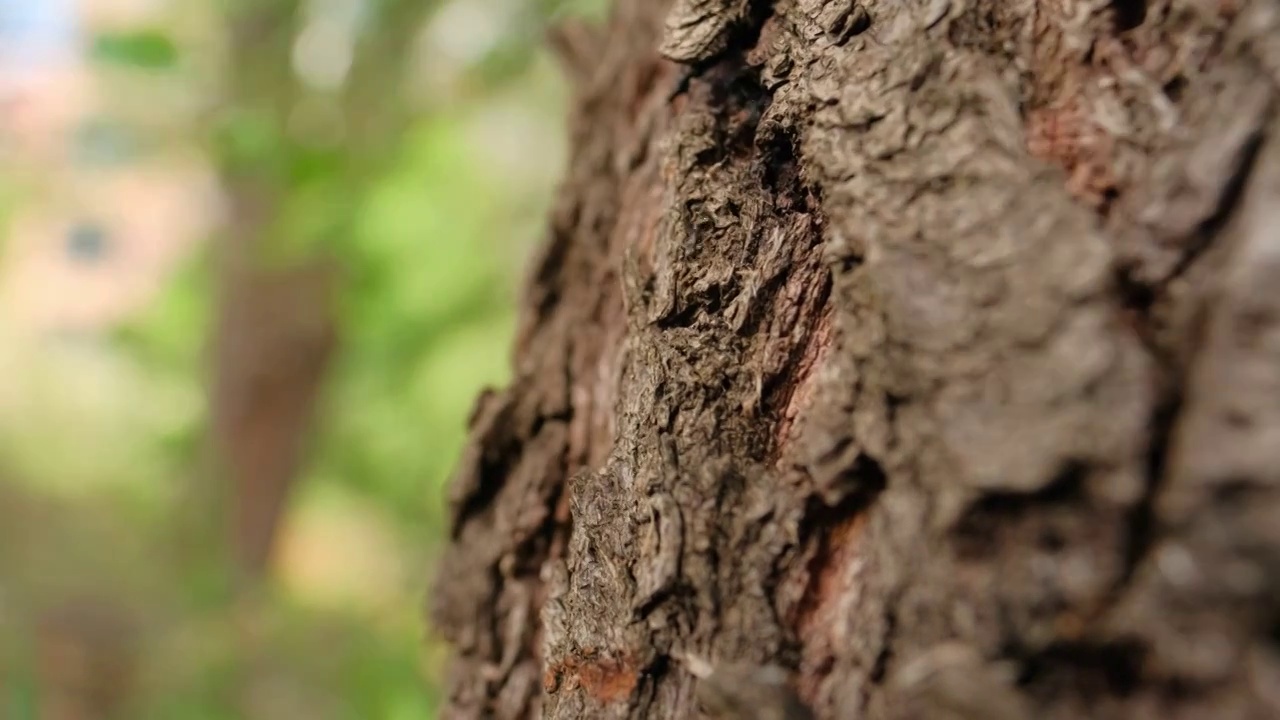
(249, 138)
(143, 49)
(428, 217)
(18, 692)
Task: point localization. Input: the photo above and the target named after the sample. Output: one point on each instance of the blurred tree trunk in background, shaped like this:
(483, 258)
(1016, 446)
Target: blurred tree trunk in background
(275, 336)
(276, 326)
(235, 501)
(928, 350)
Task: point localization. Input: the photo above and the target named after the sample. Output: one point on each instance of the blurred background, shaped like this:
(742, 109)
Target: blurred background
(258, 258)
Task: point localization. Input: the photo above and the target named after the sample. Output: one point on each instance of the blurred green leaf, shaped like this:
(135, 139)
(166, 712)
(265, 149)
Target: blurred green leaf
(19, 699)
(144, 49)
(250, 140)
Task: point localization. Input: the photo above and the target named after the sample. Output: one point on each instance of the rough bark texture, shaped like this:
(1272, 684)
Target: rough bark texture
(929, 350)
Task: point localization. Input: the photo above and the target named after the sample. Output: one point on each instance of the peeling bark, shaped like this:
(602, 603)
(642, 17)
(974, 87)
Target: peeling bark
(926, 350)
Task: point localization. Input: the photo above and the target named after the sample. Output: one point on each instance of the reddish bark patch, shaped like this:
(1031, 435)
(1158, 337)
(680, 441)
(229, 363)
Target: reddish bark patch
(1059, 128)
(821, 617)
(1137, 65)
(1228, 8)
(805, 380)
(1064, 136)
(605, 679)
(609, 681)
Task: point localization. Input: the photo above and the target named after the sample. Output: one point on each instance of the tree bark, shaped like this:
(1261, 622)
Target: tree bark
(928, 350)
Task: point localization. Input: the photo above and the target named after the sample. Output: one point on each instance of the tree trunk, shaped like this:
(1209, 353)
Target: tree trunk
(926, 350)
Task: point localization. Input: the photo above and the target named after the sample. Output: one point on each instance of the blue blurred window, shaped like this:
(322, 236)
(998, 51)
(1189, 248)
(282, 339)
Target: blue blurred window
(34, 32)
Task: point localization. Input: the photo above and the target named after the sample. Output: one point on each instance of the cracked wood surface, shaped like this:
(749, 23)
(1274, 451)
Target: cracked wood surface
(928, 350)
